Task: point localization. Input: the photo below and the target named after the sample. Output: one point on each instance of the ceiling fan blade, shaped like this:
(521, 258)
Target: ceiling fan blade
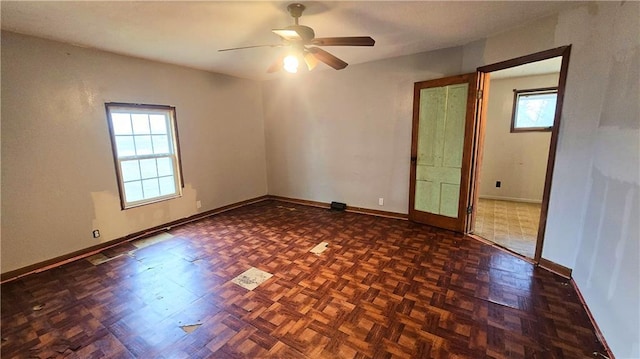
(276, 65)
(327, 58)
(344, 41)
(287, 34)
(250, 47)
(311, 60)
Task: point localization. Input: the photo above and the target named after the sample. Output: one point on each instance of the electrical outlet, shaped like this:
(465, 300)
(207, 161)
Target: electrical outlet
(96, 233)
(381, 201)
(498, 184)
(198, 204)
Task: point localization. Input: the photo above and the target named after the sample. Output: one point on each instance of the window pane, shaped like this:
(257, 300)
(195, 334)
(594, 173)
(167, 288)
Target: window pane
(133, 191)
(121, 123)
(160, 144)
(165, 166)
(140, 124)
(167, 185)
(148, 168)
(536, 110)
(150, 187)
(125, 146)
(143, 145)
(158, 124)
(130, 170)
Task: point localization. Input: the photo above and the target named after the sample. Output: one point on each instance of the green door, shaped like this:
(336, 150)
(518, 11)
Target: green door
(443, 125)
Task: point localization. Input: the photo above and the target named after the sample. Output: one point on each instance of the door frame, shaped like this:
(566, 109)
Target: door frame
(564, 52)
(459, 223)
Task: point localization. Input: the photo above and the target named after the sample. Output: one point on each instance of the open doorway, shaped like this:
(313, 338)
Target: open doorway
(519, 118)
(447, 143)
(514, 154)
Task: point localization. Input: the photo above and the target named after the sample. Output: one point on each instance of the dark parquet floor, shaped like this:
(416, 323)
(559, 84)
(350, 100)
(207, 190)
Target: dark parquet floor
(384, 288)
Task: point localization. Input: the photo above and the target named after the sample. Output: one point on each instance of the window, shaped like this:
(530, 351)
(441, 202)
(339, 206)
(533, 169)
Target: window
(145, 150)
(534, 110)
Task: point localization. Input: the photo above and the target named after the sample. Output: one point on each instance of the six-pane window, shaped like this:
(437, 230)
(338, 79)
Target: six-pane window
(534, 110)
(144, 139)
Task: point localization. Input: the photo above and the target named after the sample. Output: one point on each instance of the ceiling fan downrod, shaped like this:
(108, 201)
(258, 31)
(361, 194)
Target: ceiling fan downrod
(295, 10)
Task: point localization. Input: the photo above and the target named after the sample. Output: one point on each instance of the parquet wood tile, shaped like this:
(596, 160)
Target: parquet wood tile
(384, 288)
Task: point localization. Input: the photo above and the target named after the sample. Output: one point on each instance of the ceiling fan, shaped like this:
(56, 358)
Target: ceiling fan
(303, 45)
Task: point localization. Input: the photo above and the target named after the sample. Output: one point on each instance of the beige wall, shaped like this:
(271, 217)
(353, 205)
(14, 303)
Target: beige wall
(517, 160)
(58, 176)
(346, 135)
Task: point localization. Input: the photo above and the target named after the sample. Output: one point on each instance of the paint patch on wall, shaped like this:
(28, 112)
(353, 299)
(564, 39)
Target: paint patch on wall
(616, 153)
(621, 107)
(115, 223)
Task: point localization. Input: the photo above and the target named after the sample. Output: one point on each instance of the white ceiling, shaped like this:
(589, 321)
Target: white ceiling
(543, 67)
(190, 33)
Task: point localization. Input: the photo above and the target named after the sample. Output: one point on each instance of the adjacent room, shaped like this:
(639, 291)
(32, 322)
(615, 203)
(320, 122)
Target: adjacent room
(320, 179)
(514, 165)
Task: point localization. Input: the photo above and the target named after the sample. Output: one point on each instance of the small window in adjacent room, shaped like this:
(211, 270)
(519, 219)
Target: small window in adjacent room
(144, 139)
(534, 110)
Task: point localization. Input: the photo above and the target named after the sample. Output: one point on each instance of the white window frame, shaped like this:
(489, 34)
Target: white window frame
(517, 95)
(173, 152)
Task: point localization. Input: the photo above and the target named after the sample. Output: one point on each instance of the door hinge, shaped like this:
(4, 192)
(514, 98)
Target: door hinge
(469, 209)
(479, 94)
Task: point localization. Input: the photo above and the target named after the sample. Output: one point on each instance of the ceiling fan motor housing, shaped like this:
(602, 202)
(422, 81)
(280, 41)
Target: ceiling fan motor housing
(306, 33)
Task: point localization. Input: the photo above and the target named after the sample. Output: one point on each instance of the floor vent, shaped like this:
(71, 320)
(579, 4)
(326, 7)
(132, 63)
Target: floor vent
(337, 206)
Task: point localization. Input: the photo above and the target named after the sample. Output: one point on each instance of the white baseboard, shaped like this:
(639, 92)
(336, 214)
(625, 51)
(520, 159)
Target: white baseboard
(512, 199)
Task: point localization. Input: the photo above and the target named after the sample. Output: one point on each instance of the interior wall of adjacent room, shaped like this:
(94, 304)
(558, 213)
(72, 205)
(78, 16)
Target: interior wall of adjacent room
(58, 176)
(518, 160)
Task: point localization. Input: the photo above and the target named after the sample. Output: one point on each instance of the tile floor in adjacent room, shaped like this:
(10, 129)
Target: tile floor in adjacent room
(382, 288)
(513, 225)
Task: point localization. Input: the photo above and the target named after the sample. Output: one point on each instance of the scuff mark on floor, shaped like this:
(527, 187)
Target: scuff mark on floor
(251, 278)
(287, 208)
(190, 327)
(146, 242)
(321, 247)
(100, 258)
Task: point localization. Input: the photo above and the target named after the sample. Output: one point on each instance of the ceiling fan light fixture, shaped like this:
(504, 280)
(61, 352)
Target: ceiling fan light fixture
(290, 63)
(304, 46)
(311, 60)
